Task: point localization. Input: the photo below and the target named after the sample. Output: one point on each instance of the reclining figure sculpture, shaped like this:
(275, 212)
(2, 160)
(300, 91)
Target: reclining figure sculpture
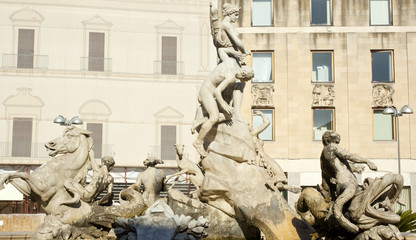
(343, 208)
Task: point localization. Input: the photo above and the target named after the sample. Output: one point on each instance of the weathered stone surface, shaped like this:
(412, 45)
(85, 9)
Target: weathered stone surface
(240, 189)
(342, 208)
(221, 225)
(60, 189)
(160, 223)
(20, 222)
(152, 179)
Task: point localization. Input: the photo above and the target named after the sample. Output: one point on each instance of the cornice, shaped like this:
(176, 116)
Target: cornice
(157, 6)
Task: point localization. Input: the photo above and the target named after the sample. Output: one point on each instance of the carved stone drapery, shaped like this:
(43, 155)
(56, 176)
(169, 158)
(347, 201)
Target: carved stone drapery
(262, 94)
(383, 95)
(323, 95)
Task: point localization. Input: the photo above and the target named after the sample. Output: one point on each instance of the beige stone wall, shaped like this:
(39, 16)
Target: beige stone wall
(351, 38)
(133, 100)
(20, 222)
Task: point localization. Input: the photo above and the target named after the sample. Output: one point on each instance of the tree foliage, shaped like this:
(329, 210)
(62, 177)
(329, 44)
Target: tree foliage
(407, 221)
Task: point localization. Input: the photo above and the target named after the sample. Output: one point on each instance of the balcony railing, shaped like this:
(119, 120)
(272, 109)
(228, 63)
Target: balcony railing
(96, 64)
(38, 150)
(25, 61)
(168, 67)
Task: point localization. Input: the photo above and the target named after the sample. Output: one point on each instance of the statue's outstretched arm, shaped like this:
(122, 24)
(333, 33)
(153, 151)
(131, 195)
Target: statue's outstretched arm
(183, 171)
(229, 79)
(345, 155)
(261, 128)
(109, 194)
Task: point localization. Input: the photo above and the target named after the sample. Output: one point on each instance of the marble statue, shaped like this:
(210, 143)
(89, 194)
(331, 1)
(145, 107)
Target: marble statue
(58, 188)
(211, 100)
(225, 37)
(152, 179)
(189, 167)
(101, 180)
(342, 208)
(239, 180)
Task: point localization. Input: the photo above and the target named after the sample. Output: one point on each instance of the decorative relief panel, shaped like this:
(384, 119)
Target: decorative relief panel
(323, 95)
(262, 94)
(383, 95)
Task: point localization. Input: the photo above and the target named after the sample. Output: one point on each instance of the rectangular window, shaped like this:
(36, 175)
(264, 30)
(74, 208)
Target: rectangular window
(268, 133)
(97, 137)
(96, 51)
(262, 13)
(22, 137)
(383, 126)
(322, 65)
(380, 12)
(168, 139)
(323, 120)
(321, 12)
(405, 195)
(382, 66)
(263, 66)
(169, 55)
(25, 48)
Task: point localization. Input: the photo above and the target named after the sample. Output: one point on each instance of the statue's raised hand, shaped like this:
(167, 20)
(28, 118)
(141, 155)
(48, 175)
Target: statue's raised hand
(228, 109)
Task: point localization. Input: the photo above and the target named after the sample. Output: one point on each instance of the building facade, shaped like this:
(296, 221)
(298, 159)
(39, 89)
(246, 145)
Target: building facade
(131, 70)
(332, 64)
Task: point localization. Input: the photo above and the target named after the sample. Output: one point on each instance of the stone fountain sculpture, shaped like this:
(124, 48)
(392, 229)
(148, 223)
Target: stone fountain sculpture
(152, 179)
(240, 180)
(159, 222)
(341, 209)
(59, 188)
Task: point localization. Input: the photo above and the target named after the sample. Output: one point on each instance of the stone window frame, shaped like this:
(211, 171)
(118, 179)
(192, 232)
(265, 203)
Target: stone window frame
(393, 119)
(333, 120)
(331, 21)
(97, 24)
(272, 15)
(170, 29)
(27, 18)
(390, 14)
(168, 116)
(272, 124)
(393, 79)
(332, 65)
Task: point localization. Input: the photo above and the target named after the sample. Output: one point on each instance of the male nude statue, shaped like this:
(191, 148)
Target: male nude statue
(101, 180)
(225, 74)
(338, 177)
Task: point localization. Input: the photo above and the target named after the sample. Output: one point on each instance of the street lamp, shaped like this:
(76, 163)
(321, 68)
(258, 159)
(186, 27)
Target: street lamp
(65, 122)
(398, 113)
